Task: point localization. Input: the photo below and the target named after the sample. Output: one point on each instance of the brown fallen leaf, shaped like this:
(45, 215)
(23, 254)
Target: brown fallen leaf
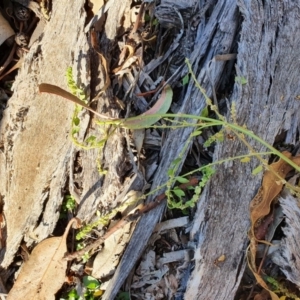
(44, 273)
(260, 206)
(271, 187)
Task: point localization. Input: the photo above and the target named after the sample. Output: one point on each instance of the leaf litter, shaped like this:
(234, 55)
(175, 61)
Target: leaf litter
(44, 273)
(260, 207)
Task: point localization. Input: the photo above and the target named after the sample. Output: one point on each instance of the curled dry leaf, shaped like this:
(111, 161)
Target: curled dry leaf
(152, 115)
(272, 185)
(44, 273)
(53, 89)
(260, 207)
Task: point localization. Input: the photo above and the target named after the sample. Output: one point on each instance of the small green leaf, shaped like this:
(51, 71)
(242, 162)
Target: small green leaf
(204, 112)
(197, 190)
(245, 159)
(123, 296)
(90, 139)
(176, 161)
(101, 143)
(178, 192)
(72, 295)
(181, 179)
(90, 282)
(75, 130)
(257, 170)
(185, 79)
(155, 22)
(241, 80)
(196, 133)
(76, 121)
(170, 172)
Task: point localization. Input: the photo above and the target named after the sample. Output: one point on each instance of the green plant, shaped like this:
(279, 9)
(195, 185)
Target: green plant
(280, 288)
(68, 205)
(91, 290)
(123, 296)
(174, 194)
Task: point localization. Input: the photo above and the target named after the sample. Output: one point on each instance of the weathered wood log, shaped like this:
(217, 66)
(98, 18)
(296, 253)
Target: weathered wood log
(265, 105)
(287, 256)
(38, 160)
(35, 147)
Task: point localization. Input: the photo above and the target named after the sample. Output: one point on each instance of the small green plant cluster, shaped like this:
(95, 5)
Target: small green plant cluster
(68, 205)
(74, 89)
(176, 196)
(90, 142)
(91, 290)
(280, 288)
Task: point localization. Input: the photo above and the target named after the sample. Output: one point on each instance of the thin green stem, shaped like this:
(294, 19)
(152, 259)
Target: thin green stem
(209, 165)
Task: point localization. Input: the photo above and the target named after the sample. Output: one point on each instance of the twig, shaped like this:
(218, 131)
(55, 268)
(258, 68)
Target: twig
(14, 67)
(9, 59)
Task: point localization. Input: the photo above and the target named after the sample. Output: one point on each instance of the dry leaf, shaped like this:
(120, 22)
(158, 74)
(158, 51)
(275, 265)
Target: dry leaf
(260, 207)
(44, 273)
(144, 120)
(261, 204)
(53, 89)
(264, 295)
(108, 258)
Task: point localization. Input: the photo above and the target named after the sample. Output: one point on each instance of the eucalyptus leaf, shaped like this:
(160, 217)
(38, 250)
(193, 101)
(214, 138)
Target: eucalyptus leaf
(153, 114)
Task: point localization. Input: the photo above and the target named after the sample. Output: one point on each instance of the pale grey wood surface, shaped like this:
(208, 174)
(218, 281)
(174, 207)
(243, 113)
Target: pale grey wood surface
(34, 132)
(212, 34)
(266, 58)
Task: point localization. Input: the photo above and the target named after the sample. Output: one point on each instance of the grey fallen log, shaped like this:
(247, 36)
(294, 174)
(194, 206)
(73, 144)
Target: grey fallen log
(34, 133)
(266, 105)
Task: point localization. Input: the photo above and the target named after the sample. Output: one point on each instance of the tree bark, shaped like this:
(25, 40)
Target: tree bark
(35, 149)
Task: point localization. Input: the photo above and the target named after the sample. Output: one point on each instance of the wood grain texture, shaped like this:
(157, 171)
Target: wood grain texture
(287, 256)
(36, 154)
(35, 128)
(266, 57)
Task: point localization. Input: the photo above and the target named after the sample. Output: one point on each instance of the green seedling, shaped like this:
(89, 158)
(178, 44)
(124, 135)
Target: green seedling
(241, 80)
(68, 205)
(91, 290)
